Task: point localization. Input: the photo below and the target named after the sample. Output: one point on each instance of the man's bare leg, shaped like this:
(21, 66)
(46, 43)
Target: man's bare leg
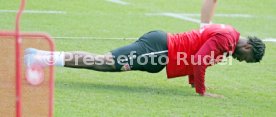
(84, 60)
(89, 61)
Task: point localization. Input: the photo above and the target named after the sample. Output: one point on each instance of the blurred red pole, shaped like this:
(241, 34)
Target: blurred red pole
(18, 60)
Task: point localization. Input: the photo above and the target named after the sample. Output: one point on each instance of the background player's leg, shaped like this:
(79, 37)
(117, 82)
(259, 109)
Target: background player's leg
(207, 11)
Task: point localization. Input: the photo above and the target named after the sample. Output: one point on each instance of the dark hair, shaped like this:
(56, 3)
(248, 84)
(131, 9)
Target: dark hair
(258, 47)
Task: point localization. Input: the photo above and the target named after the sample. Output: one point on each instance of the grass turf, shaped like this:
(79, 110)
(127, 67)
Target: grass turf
(249, 88)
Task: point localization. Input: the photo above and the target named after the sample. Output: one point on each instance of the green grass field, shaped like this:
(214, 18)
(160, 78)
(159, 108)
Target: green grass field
(249, 89)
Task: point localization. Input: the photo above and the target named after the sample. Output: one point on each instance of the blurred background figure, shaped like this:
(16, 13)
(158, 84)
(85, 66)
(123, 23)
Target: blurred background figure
(207, 12)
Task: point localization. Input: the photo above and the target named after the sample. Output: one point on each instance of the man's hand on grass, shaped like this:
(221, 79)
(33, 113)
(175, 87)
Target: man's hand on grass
(212, 95)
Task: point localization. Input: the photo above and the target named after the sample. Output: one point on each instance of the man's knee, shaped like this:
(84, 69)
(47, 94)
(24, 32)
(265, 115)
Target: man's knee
(109, 61)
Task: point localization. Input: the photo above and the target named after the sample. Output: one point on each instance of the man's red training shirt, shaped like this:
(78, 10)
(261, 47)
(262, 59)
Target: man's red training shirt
(216, 38)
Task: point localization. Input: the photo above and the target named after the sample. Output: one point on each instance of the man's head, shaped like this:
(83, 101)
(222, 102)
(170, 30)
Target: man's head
(250, 50)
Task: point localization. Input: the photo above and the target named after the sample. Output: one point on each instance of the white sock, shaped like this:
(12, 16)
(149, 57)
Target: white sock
(58, 57)
(204, 24)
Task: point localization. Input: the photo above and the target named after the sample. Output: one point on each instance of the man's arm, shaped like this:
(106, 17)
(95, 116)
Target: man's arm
(217, 45)
(191, 81)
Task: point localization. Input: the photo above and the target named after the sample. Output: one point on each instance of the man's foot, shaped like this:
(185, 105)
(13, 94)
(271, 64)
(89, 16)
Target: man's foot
(30, 51)
(34, 57)
(35, 61)
(43, 58)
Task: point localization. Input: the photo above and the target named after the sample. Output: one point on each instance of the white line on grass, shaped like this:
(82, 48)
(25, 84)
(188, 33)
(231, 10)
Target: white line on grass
(174, 15)
(96, 38)
(188, 16)
(235, 15)
(123, 38)
(269, 40)
(34, 11)
(218, 15)
(118, 2)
